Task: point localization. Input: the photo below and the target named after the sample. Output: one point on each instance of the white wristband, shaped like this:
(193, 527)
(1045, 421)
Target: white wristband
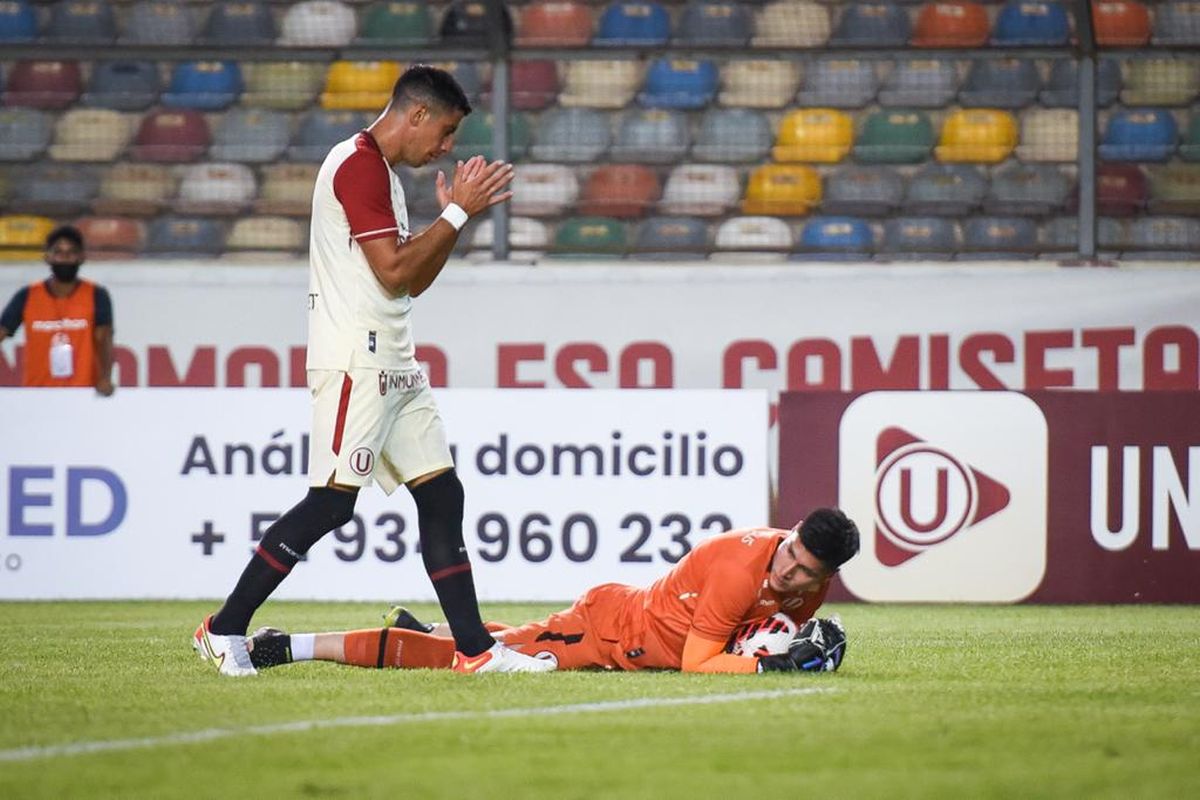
(454, 214)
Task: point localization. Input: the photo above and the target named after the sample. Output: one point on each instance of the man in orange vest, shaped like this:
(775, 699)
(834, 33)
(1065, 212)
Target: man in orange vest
(68, 321)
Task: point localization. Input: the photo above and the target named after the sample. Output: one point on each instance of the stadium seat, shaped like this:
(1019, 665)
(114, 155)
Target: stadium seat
(838, 83)
(576, 135)
(791, 23)
(758, 238)
(527, 237)
(1027, 190)
(139, 189)
(43, 84)
(111, 237)
(872, 25)
(1062, 87)
(980, 135)
(1144, 134)
(466, 73)
(1161, 82)
(359, 85)
(122, 85)
(863, 192)
(895, 136)
(671, 238)
(24, 133)
(1176, 23)
(950, 190)
(283, 85)
(476, 131)
(174, 135)
(544, 190)
(554, 23)
(1049, 134)
(590, 237)
(998, 238)
(251, 135)
(737, 135)
(1121, 190)
(951, 24)
(702, 190)
(1031, 24)
(317, 23)
(822, 135)
(758, 83)
(834, 239)
(56, 190)
(919, 239)
(320, 130)
(619, 190)
(1121, 23)
(466, 23)
(1000, 83)
(156, 22)
(90, 134)
(714, 23)
(81, 22)
(651, 136)
(204, 85)
(23, 236)
(287, 189)
(920, 84)
(676, 83)
(244, 22)
(1164, 238)
(1189, 150)
(213, 188)
(532, 85)
(786, 190)
(267, 234)
(1059, 237)
(1175, 189)
(18, 22)
(600, 84)
(184, 237)
(1063, 235)
(405, 23)
(633, 24)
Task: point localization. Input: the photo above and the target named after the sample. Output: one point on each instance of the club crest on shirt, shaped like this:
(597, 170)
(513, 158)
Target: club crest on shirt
(362, 461)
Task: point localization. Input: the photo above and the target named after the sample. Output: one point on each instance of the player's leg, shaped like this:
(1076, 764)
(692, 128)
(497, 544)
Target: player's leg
(564, 638)
(375, 648)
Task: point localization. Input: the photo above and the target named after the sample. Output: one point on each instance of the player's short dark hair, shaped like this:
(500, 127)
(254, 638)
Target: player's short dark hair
(829, 535)
(68, 232)
(435, 87)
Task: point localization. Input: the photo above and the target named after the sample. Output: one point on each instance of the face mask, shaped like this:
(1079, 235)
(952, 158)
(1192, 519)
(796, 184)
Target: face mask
(65, 272)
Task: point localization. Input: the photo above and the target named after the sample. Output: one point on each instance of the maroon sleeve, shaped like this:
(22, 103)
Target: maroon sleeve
(363, 187)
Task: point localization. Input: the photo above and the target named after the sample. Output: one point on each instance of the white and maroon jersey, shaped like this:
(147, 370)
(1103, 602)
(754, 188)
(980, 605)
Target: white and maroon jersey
(353, 321)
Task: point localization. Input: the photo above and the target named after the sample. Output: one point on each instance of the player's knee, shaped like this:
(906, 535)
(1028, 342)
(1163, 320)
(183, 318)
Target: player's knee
(441, 495)
(334, 507)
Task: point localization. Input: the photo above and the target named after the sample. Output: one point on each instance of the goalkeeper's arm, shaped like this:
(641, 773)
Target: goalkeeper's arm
(819, 646)
(705, 655)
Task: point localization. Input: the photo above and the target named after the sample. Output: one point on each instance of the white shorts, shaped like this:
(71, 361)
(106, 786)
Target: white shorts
(373, 424)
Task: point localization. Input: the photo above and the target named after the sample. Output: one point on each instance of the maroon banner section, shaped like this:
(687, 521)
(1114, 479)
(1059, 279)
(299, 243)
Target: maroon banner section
(949, 496)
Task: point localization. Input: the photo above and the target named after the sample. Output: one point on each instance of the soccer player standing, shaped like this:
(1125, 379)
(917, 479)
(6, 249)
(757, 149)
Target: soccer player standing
(374, 417)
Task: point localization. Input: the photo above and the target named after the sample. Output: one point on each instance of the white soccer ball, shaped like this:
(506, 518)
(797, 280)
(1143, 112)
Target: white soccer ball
(764, 637)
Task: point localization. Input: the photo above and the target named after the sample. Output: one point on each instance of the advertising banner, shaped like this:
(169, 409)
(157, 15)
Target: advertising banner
(163, 493)
(1050, 497)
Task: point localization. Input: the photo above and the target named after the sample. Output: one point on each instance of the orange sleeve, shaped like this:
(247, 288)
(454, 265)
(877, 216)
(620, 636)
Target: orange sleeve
(705, 655)
(729, 591)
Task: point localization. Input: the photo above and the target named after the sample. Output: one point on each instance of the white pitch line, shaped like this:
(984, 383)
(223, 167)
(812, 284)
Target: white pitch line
(300, 726)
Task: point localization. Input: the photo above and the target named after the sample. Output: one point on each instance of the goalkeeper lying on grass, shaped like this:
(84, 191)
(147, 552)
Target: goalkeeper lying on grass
(706, 615)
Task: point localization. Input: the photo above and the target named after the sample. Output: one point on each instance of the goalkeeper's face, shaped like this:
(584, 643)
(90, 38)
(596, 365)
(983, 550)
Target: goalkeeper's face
(794, 569)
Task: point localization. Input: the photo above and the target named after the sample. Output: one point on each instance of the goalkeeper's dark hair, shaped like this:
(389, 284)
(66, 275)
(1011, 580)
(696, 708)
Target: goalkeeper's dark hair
(68, 232)
(431, 86)
(829, 535)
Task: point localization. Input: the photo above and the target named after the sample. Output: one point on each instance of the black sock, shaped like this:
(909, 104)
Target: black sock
(439, 516)
(284, 544)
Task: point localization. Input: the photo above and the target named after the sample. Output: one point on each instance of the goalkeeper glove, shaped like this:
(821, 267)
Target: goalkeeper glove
(819, 646)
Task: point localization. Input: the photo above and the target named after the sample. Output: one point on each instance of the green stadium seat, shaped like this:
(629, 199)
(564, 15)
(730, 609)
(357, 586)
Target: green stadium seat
(590, 237)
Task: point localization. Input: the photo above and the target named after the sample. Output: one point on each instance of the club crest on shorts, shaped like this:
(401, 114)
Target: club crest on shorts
(362, 461)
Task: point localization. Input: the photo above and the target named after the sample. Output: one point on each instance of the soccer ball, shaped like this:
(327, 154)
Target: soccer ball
(763, 637)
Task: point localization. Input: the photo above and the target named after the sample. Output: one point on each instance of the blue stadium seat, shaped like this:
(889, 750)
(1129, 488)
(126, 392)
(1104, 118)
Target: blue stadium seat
(714, 23)
(1062, 88)
(677, 83)
(1176, 23)
(1164, 238)
(255, 135)
(1031, 23)
(1035, 190)
(82, 22)
(838, 83)
(835, 239)
(240, 23)
(919, 239)
(951, 190)
(733, 135)
(204, 85)
(1144, 134)
(154, 22)
(651, 136)
(1000, 83)
(992, 238)
(924, 83)
(872, 25)
(672, 238)
(320, 130)
(18, 22)
(577, 135)
(863, 192)
(123, 85)
(633, 24)
(57, 190)
(184, 237)
(24, 133)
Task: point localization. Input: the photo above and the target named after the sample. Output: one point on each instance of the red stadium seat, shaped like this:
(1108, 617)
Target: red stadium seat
(171, 135)
(1125, 23)
(554, 23)
(111, 237)
(620, 190)
(533, 85)
(43, 84)
(953, 24)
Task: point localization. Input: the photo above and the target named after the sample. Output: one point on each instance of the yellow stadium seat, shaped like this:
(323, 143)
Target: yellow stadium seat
(23, 236)
(359, 85)
(786, 190)
(821, 135)
(977, 135)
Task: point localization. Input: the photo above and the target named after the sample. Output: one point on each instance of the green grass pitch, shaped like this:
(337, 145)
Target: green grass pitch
(956, 702)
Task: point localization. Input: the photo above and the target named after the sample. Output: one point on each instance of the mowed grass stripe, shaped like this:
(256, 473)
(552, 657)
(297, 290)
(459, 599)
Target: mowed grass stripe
(301, 726)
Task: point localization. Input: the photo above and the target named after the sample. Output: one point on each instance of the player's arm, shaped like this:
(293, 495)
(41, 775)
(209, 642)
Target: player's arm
(701, 654)
(728, 593)
(10, 318)
(102, 337)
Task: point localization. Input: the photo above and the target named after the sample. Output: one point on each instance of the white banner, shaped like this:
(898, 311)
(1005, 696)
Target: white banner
(163, 493)
(848, 328)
